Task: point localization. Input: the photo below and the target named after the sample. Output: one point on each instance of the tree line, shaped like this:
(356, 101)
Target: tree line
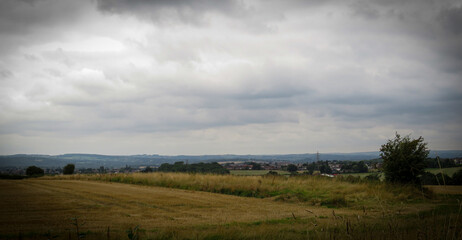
(321, 166)
(193, 168)
(34, 171)
(439, 163)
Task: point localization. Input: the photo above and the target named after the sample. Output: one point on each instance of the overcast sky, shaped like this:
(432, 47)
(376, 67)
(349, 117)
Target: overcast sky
(228, 77)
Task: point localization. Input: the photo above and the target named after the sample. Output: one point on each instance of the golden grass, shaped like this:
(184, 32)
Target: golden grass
(40, 208)
(32, 205)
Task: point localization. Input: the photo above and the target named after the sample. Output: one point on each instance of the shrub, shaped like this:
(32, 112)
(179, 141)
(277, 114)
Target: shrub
(373, 177)
(428, 178)
(351, 179)
(457, 178)
(292, 168)
(440, 179)
(148, 170)
(272, 173)
(443, 179)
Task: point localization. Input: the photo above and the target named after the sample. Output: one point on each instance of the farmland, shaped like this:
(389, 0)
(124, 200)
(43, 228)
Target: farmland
(314, 190)
(193, 206)
(50, 205)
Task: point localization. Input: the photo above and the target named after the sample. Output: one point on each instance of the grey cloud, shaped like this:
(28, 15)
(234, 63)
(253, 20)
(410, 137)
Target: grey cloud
(31, 57)
(20, 17)
(364, 9)
(29, 22)
(202, 5)
(253, 16)
(5, 73)
(31, 127)
(449, 42)
(60, 56)
(451, 19)
(94, 119)
(31, 2)
(165, 10)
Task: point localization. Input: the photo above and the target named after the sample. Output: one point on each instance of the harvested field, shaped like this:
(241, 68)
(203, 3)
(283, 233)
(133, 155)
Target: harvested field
(40, 205)
(47, 209)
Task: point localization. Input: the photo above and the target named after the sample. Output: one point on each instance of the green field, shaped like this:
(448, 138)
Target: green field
(362, 175)
(256, 172)
(207, 206)
(448, 171)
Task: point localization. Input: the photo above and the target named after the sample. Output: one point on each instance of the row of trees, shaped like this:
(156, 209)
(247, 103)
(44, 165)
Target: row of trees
(34, 171)
(321, 166)
(439, 163)
(354, 167)
(193, 168)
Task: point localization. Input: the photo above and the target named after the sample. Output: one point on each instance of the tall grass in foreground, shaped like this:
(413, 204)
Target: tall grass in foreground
(434, 224)
(444, 224)
(309, 189)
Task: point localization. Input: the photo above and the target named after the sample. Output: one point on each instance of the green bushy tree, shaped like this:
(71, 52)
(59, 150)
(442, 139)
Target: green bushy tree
(403, 159)
(324, 168)
(292, 168)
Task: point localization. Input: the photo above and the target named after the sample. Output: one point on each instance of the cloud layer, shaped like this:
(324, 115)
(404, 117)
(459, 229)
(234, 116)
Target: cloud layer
(214, 77)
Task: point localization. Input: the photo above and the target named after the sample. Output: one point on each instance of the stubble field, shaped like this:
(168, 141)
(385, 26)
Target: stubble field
(48, 209)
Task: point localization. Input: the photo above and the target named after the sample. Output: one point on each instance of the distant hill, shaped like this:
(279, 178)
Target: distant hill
(95, 160)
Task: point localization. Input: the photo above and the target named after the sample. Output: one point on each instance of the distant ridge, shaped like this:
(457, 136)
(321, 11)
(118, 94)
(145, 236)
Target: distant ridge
(82, 160)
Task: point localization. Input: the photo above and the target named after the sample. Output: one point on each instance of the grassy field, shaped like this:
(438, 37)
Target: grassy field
(313, 190)
(107, 206)
(448, 171)
(362, 175)
(50, 205)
